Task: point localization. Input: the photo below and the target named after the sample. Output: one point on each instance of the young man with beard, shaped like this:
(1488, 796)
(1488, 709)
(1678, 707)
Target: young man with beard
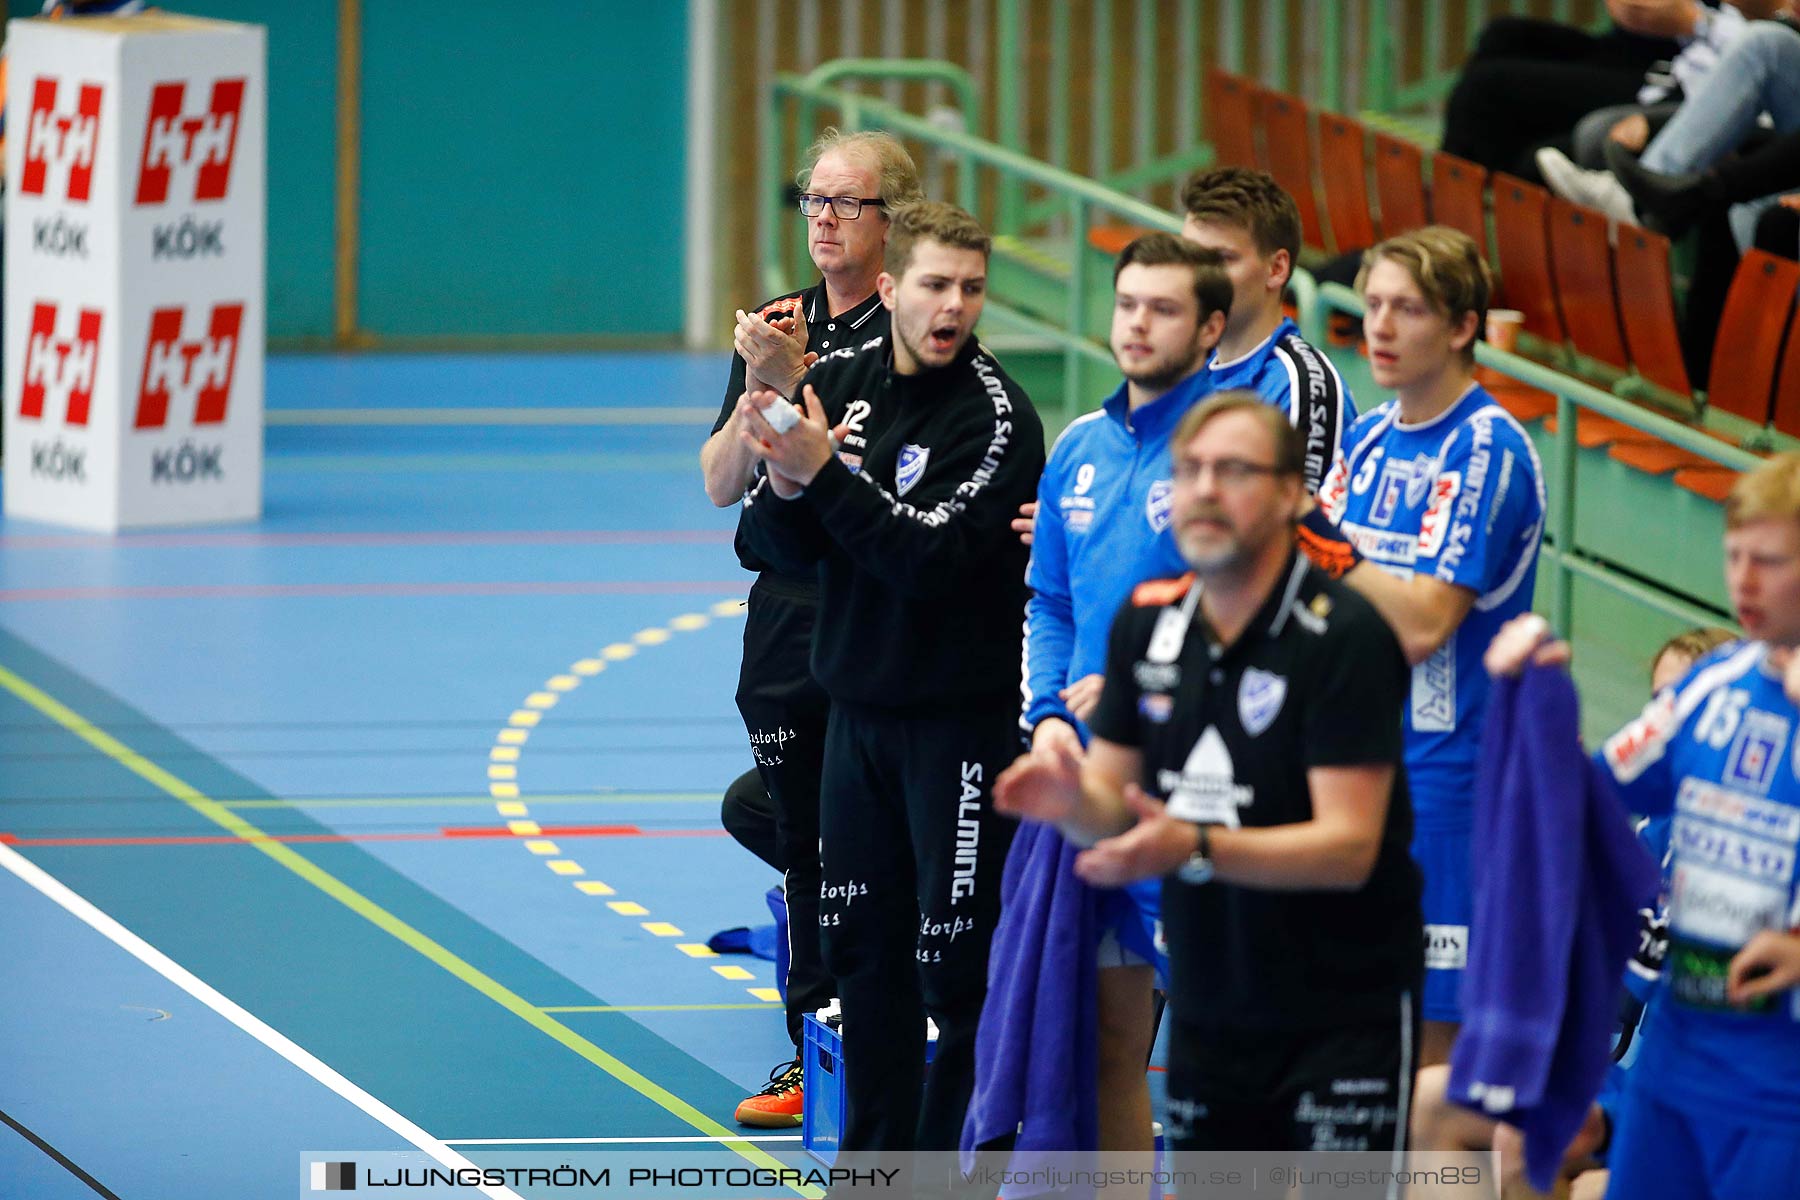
(1102, 528)
(907, 527)
(854, 182)
(1260, 700)
(1434, 511)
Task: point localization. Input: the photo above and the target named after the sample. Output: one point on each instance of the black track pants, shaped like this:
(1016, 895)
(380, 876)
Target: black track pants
(913, 857)
(784, 711)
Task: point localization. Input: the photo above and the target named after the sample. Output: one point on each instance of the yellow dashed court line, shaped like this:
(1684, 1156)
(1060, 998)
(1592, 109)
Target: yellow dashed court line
(503, 772)
(766, 995)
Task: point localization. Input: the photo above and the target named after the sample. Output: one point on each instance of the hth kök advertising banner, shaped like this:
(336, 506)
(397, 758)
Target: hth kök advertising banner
(135, 213)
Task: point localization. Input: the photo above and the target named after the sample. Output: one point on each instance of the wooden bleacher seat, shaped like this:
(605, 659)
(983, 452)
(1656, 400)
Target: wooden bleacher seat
(1755, 319)
(1582, 265)
(1787, 383)
(1399, 185)
(1521, 231)
(1344, 168)
(1287, 146)
(1230, 123)
(1647, 309)
(1458, 189)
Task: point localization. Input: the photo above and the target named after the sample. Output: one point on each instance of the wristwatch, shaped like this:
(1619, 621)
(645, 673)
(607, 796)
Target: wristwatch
(1198, 868)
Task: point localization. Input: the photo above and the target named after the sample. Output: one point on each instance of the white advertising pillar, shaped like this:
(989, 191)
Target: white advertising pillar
(135, 217)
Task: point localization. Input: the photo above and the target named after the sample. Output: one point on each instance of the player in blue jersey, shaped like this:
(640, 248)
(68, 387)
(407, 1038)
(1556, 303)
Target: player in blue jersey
(1712, 1108)
(1440, 1124)
(1104, 505)
(1434, 511)
(1255, 226)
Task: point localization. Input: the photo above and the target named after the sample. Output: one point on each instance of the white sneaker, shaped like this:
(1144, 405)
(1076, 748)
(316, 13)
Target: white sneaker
(1596, 189)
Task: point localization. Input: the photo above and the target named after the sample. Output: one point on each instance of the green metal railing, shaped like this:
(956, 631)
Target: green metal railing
(1079, 200)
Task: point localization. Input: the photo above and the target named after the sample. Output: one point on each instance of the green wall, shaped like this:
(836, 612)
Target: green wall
(522, 168)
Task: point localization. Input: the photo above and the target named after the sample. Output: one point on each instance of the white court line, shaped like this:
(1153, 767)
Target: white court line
(611, 1141)
(667, 414)
(190, 983)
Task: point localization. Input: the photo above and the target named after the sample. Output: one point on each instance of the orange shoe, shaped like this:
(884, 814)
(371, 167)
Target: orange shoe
(777, 1106)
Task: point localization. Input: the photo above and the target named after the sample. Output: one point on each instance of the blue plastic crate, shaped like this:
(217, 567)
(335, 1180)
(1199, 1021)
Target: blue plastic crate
(822, 1097)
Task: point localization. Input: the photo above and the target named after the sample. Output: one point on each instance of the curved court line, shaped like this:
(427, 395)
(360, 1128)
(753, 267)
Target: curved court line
(85, 911)
(363, 907)
(503, 777)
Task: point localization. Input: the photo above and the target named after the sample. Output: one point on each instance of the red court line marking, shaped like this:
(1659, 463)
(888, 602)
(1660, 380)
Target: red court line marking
(496, 537)
(595, 587)
(13, 839)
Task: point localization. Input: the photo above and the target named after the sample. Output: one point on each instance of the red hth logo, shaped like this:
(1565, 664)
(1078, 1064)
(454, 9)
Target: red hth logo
(60, 368)
(67, 140)
(201, 143)
(196, 371)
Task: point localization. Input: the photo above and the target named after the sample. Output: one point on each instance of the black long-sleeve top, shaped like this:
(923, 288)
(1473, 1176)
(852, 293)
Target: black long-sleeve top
(922, 580)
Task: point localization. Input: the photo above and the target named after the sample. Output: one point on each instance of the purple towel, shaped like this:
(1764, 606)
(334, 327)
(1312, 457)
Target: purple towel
(1558, 877)
(1035, 1051)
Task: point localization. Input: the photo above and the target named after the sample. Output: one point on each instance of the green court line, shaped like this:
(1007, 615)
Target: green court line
(475, 801)
(660, 415)
(631, 1008)
(356, 902)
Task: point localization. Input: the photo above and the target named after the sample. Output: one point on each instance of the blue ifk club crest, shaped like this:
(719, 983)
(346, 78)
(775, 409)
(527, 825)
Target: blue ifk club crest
(1260, 694)
(909, 467)
(1159, 505)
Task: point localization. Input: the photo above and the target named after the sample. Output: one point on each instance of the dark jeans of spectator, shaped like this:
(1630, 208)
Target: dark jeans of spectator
(1528, 82)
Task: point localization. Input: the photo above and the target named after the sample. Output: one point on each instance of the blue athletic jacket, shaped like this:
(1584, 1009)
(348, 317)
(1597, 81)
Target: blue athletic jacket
(1296, 377)
(1102, 529)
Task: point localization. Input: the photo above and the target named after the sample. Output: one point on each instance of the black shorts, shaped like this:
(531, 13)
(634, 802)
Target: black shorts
(1346, 1088)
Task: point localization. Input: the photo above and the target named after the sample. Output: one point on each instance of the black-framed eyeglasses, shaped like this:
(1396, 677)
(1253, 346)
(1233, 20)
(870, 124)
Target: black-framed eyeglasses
(847, 208)
(1229, 472)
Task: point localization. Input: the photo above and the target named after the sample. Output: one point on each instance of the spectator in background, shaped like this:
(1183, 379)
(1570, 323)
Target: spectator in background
(1530, 81)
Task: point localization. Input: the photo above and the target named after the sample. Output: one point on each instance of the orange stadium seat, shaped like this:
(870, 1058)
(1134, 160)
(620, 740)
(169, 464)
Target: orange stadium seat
(1230, 123)
(1756, 313)
(1647, 308)
(1287, 144)
(1787, 383)
(1582, 260)
(1457, 197)
(1527, 281)
(1344, 167)
(1399, 184)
